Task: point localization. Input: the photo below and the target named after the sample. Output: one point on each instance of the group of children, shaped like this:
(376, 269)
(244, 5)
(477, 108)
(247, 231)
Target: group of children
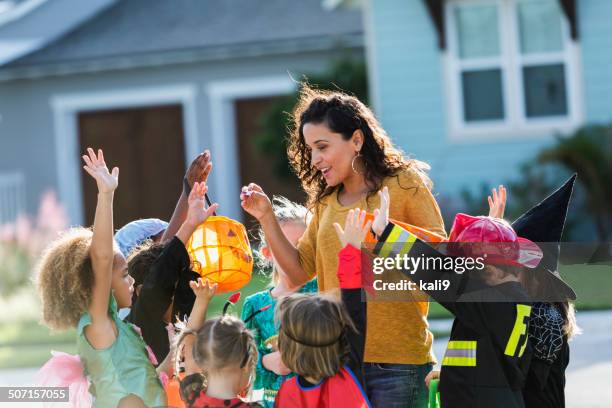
(301, 348)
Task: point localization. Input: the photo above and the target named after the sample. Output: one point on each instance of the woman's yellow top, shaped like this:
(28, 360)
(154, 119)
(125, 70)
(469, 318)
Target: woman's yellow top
(397, 332)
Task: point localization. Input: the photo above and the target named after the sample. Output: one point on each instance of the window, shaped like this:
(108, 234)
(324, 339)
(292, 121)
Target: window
(511, 67)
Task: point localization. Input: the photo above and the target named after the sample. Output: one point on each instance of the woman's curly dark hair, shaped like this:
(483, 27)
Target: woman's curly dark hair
(343, 114)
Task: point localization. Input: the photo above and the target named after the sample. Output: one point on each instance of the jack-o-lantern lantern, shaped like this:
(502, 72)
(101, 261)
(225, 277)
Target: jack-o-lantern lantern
(220, 251)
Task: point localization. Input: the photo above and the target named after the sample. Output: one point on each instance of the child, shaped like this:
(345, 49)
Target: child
(135, 233)
(82, 280)
(486, 362)
(258, 309)
(153, 300)
(162, 270)
(553, 322)
(312, 341)
(220, 356)
(322, 339)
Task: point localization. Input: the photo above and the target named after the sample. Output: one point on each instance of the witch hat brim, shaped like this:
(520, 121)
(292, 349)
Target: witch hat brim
(544, 224)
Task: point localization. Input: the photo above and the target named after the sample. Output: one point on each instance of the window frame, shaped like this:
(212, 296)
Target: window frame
(511, 63)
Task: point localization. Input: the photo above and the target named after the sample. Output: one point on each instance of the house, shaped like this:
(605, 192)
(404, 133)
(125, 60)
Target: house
(475, 87)
(155, 83)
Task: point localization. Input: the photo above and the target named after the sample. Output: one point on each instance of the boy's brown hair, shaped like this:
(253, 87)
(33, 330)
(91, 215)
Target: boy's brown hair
(311, 337)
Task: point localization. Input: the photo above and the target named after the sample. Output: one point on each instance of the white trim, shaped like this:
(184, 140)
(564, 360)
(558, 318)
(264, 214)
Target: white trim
(12, 196)
(66, 108)
(20, 10)
(515, 123)
(224, 147)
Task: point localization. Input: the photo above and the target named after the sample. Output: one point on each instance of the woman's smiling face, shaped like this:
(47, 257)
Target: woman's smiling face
(330, 153)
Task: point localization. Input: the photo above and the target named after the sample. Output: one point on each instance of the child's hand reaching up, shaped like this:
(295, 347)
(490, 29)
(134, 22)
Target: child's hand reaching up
(197, 212)
(349, 258)
(204, 292)
(100, 333)
(355, 228)
(96, 167)
(198, 170)
(381, 215)
(497, 203)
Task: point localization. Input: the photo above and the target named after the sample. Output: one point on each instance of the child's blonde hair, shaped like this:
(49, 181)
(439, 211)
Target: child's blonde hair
(222, 342)
(286, 211)
(311, 336)
(65, 278)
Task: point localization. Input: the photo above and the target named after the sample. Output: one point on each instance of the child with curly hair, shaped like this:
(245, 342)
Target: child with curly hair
(83, 279)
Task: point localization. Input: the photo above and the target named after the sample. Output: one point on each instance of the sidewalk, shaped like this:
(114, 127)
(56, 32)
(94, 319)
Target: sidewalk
(590, 365)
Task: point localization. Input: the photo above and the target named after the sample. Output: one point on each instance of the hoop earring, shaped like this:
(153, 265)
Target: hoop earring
(353, 163)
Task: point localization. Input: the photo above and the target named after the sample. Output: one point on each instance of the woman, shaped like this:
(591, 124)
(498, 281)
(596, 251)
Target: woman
(343, 157)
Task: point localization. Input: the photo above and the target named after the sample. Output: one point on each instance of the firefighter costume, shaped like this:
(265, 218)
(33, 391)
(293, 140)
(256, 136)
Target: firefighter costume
(488, 355)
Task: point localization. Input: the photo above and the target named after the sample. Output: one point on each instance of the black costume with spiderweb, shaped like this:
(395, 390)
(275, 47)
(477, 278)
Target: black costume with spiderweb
(546, 379)
(546, 331)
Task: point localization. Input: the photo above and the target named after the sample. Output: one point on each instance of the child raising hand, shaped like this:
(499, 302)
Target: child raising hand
(220, 356)
(82, 279)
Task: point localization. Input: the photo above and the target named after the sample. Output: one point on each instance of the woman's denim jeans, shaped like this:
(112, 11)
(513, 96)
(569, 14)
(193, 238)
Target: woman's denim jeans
(397, 385)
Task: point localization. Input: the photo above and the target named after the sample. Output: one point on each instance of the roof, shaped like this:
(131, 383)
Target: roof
(136, 32)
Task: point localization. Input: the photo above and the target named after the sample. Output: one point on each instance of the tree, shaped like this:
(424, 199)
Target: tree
(347, 74)
(588, 152)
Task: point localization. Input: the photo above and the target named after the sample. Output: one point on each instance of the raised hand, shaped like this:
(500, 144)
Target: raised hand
(199, 169)
(96, 167)
(355, 228)
(381, 215)
(497, 203)
(254, 201)
(203, 290)
(197, 212)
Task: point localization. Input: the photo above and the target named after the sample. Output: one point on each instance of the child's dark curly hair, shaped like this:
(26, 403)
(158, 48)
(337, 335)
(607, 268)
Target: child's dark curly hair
(142, 258)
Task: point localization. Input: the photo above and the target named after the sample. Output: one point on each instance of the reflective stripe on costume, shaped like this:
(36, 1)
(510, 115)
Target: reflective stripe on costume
(460, 353)
(399, 241)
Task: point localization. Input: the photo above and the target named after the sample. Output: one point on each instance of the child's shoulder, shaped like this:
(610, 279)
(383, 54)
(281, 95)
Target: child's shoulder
(310, 287)
(259, 298)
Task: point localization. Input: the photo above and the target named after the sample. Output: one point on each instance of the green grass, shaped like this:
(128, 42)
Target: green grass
(26, 343)
(31, 355)
(258, 283)
(592, 284)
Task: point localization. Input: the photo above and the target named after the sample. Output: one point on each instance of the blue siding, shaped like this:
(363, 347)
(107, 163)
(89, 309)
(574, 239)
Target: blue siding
(411, 100)
(596, 46)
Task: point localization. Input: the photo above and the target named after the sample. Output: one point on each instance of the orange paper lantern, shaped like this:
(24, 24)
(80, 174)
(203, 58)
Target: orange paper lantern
(220, 251)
